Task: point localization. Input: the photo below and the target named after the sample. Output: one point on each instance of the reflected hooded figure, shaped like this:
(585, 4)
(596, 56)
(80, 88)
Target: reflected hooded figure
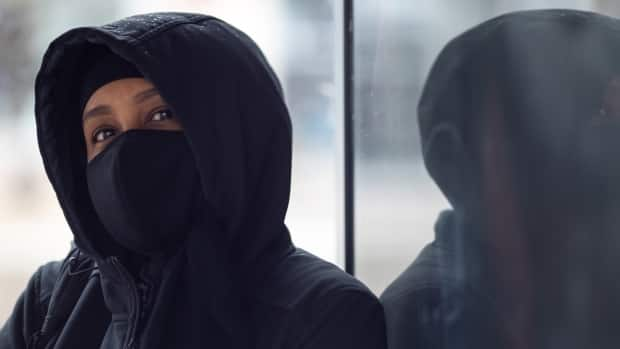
(520, 124)
(168, 143)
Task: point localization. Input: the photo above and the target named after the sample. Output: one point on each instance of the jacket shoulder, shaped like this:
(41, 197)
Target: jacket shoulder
(303, 279)
(428, 305)
(421, 291)
(426, 272)
(43, 282)
(30, 309)
(49, 274)
(321, 306)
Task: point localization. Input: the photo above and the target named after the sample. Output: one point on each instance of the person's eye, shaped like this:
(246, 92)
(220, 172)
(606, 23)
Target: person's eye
(102, 134)
(161, 115)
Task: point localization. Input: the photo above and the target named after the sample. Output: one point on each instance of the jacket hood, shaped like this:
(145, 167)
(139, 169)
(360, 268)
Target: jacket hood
(537, 79)
(228, 100)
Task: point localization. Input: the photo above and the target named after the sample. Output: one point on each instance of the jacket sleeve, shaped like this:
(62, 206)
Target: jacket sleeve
(413, 320)
(29, 311)
(355, 321)
(433, 318)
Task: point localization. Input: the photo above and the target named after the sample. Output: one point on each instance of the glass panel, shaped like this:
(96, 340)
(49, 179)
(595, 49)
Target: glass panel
(536, 254)
(396, 42)
(301, 39)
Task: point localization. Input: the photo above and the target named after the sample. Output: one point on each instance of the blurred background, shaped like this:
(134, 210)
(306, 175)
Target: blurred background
(395, 43)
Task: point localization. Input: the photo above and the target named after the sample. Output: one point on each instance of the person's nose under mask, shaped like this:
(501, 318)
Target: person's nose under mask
(145, 189)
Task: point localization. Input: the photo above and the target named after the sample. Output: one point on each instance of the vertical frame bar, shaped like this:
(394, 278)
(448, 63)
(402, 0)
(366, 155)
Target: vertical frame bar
(349, 141)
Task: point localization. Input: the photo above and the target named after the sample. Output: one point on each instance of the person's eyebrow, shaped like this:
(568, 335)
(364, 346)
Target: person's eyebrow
(105, 109)
(97, 111)
(146, 94)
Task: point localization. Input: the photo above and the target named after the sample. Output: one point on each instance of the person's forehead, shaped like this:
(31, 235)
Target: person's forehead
(119, 93)
(122, 90)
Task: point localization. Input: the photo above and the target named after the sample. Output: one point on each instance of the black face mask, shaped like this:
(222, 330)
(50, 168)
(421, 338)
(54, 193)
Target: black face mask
(146, 189)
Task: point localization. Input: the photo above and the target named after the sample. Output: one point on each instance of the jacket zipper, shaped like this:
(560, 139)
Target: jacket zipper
(135, 315)
(144, 289)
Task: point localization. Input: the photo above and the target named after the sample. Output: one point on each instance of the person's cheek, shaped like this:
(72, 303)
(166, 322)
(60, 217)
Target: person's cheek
(175, 125)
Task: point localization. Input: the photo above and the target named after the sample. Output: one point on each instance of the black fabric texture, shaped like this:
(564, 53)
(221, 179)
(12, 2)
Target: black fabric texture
(106, 68)
(235, 280)
(443, 299)
(145, 189)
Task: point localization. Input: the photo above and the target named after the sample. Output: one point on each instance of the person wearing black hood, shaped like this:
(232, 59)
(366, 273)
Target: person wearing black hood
(168, 143)
(520, 128)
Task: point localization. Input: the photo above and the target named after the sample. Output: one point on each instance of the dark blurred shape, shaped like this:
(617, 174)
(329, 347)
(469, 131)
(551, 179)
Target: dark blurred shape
(520, 130)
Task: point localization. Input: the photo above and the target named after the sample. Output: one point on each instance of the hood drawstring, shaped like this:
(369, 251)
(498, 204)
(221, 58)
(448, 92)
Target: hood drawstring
(77, 267)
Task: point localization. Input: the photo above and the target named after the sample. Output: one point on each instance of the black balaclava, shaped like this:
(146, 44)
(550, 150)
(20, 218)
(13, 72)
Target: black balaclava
(106, 69)
(143, 185)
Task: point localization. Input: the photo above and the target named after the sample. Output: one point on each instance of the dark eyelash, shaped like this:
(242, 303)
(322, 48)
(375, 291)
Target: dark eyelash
(94, 134)
(104, 128)
(162, 109)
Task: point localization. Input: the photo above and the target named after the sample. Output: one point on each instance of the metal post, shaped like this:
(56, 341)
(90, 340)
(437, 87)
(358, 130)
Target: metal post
(349, 169)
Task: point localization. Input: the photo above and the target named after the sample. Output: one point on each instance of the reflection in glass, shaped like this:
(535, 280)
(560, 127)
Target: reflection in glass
(519, 122)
